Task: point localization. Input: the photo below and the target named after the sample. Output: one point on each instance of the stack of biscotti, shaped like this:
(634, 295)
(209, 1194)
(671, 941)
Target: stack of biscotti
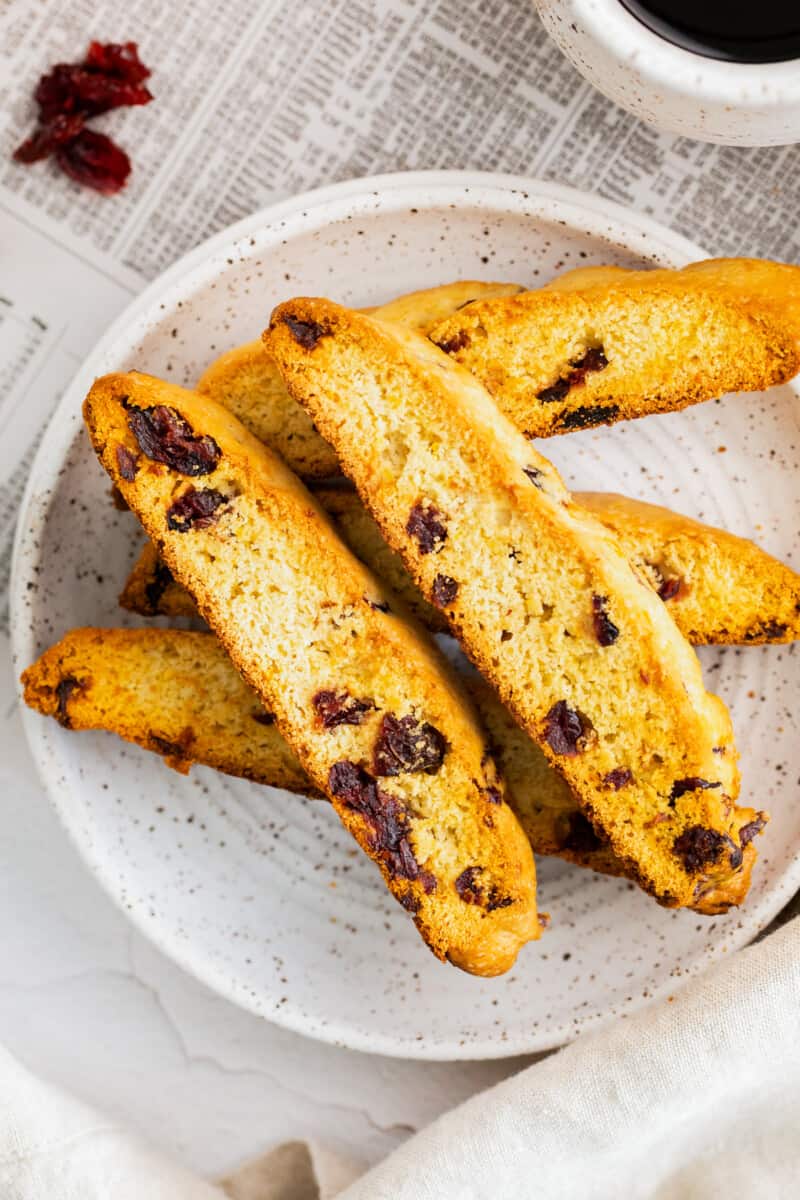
(151, 686)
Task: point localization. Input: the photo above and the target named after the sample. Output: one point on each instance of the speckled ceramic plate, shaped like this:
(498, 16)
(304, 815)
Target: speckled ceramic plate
(259, 893)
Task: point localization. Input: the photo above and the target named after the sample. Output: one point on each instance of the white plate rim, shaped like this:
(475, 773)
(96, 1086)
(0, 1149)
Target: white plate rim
(604, 219)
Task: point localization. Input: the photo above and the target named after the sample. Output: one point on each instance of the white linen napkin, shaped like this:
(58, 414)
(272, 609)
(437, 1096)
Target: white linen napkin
(697, 1098)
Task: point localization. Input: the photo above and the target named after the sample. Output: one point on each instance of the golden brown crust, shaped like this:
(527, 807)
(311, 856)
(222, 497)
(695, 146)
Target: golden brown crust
(247, 383)
(564, 358)
(755, 282)
(373, 713)
(718, 588)
(534, 585)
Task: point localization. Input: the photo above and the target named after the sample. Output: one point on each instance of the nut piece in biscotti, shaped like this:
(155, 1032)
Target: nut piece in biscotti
(171, 691)
(718, 588)
(247, 383)
(561, 359)
(372, 710)
(580, 649)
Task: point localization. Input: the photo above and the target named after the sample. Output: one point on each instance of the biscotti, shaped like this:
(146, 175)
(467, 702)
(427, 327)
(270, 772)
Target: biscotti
(561, 359)
(580, 649)
(373, 712)
(718, 588)
(170, 691)
(247, 383)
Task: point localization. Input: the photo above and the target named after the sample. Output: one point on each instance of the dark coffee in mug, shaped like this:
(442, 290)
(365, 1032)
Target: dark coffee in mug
(759, 31)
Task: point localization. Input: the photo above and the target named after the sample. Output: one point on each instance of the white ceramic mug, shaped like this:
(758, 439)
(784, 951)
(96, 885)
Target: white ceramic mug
(741, 104)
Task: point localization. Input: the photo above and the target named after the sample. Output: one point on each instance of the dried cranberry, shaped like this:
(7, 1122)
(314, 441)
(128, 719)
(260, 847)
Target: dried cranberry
(692, 784)
(749, 831)
(769, 631)
(587, 416)
(535, 476)
(117, 58)
(170, 749)
(563, 729)
(305, 333)
(127, 463)
(669, 588)
(581, 838)
(444, 591)
(46, 138)
(593, 360)
(337, 708)
(64, 690)
(557, 391)
(406, 746)
(425, 526)
(156, 586)
(452, 345)
(71, 93)
(468, 885)
(94, 160)
(697, 847)
(620, 777)
(196, 508)
(605, 630)
(164, 436)
(472, 891)
(386, 819)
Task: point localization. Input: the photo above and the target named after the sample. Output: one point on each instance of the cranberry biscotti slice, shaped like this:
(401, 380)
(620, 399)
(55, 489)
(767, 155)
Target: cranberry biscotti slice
(366, 701)
(718, 588)
(561, 359)
(579, 648)
(249, 385)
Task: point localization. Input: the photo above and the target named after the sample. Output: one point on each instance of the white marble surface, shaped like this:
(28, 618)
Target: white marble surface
(88, 1003)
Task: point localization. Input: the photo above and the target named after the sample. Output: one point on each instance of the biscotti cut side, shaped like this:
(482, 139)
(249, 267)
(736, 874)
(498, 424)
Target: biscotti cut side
(717, 587)
(173, 692)
(368, 704)
(150, 589)
(579, 648)
(247, 383)
(560, 360)
(152, 687)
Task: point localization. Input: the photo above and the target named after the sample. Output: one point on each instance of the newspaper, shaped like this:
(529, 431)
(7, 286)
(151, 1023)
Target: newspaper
(258, 101)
